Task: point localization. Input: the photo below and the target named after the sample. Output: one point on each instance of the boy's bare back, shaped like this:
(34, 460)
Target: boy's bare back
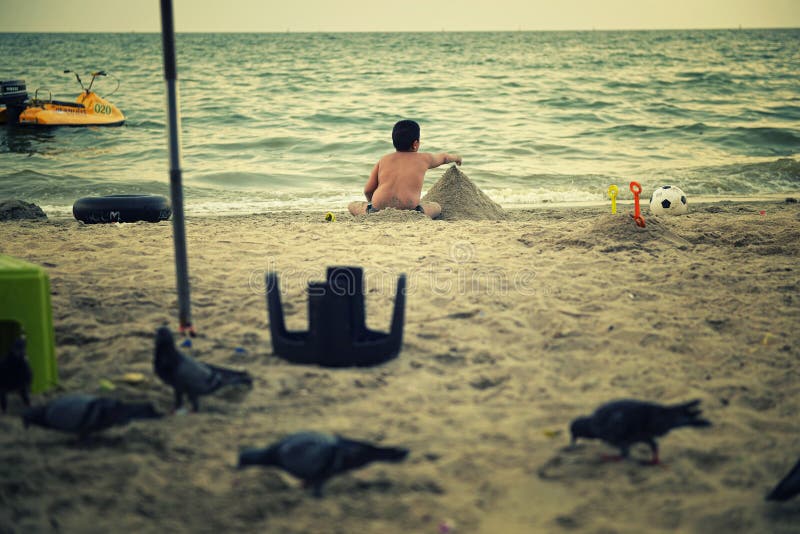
(396, 180)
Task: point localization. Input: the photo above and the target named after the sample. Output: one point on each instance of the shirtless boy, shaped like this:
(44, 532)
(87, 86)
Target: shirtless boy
(396, 180)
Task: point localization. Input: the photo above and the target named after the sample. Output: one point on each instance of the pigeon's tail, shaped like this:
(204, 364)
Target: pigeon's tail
(33, 416)
(788, 487)
(687, 414)
(388, 454)
(229, 377)
(137, 410)
(253, 456)
(357, 453)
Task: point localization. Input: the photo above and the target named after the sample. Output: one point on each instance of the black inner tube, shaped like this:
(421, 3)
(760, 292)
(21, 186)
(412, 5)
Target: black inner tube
(122, 208)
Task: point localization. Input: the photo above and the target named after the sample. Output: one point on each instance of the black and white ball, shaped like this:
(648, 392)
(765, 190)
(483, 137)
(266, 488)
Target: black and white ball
(668, 200)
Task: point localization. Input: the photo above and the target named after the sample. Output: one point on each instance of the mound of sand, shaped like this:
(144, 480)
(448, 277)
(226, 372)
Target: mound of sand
(620, 232)
(393, 215)
(13, 210)
(462, 199)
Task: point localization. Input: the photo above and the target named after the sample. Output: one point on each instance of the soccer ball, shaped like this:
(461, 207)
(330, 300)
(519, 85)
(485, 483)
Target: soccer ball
(668, 200)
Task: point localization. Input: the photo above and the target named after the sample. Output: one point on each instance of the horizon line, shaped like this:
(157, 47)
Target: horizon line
(289, 30)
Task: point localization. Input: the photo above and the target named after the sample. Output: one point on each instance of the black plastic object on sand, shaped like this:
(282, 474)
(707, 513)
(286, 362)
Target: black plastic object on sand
(338, 335)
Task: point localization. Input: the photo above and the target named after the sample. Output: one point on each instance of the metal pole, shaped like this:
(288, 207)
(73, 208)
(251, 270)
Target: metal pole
(175, 177)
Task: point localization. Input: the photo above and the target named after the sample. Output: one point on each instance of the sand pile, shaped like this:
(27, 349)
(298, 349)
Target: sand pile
(461, 199)
(393, 215)
(13, 210)
(620, 232)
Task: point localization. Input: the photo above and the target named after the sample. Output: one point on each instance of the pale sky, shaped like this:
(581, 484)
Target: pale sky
(397, 15)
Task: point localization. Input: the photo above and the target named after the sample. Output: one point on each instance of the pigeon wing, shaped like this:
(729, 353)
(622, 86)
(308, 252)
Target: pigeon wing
(308, 455)
(619, 422)
(195, 377)
(231, 377)
(71, 413)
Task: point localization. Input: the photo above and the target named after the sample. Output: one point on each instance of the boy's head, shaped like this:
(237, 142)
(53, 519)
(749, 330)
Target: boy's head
(404, 134)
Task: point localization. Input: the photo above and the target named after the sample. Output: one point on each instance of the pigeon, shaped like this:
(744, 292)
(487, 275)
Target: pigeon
(189, 376)
(788, 487)
(625, 422)
(84, 414)
(15, 373)
(314, 457)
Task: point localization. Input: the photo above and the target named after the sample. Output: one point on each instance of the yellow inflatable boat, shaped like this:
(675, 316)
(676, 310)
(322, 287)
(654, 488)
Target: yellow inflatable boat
(89, 108)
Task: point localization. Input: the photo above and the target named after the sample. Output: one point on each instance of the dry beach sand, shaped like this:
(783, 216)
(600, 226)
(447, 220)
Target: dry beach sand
(513, 328)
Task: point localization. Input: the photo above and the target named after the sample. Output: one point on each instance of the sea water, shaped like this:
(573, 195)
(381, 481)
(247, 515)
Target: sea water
(296, 121)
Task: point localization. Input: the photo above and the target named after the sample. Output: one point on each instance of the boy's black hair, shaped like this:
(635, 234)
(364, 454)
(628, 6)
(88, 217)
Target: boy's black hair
(404, 134)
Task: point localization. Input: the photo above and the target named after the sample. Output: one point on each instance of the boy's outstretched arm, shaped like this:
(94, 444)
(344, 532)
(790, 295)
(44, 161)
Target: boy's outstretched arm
(443, 157)
(372, 183)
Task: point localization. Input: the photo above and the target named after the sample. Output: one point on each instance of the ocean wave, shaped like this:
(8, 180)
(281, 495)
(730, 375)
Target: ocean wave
(745, 178)
(706, 76)
(266, 142)
(741, 140)
(668, 109)
(248, 180)
(254, 193)
(778, 140)
(573, 102)
(412, 90)
(152, 124)
(784, 112)
(64, 189)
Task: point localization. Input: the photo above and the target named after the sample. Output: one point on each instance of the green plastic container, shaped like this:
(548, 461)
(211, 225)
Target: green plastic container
(25, 310)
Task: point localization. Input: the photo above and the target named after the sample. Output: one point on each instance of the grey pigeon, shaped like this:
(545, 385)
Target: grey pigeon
(625, 422)
(314, 457)
(84, 414)
(788, 487)
(15, 374)
(189, 376)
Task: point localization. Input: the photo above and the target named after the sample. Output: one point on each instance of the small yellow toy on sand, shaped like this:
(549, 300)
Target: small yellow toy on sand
(132, 378)
(613, 191)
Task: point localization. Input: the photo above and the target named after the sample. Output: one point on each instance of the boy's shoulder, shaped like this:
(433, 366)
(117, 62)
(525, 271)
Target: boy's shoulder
(401, 154)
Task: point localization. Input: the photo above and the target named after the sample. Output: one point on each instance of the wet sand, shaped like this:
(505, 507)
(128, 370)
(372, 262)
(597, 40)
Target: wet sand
(513, 328)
